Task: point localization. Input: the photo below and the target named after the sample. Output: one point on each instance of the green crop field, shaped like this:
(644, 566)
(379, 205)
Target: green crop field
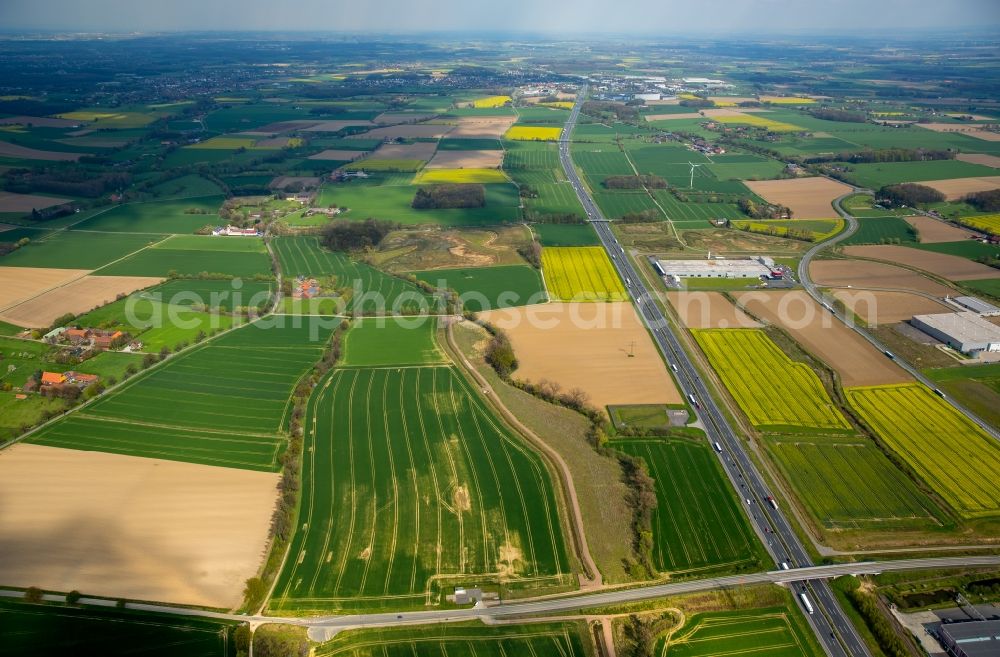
(921, 427)
(741, 166)
(772, 390)
(971, 249)
(487, 288)
(554, 198)
(165, 261)
(850, 484)
(173, 216)
(888, 173)
(697, 524)
(213, 243)
(76, 250)
(211, 293)
(976, 387)
(582, 273)
(422, 490)
(565, 234)
(387, 341)
(882, 230)
(48, 630)
(775, 632)
(695, 215)
(616, 204)
(599, 164)
(463, 640)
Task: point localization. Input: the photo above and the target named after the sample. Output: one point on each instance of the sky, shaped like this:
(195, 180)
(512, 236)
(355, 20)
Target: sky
(556, 16)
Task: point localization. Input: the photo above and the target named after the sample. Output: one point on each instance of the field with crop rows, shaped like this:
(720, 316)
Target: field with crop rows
(373, 291)
(850, 484)
(462, 640)
(565, 234)
(422, 489)
(776, 632)
(581, 273)
(376, 341)
(73, 249)
(771, 389)
(953, 455)
(698, 523)
(174, 216)
(488, 288)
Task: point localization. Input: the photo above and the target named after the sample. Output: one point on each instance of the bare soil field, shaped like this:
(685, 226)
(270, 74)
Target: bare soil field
(667, 117)
(702, 310)
(809, 198)
(335, 125)
(419, 131)
(8, 149)
(958, 187)
(725, 111)
(587, 346)
(980, 158)
(124, 526)
(421, 150)
(963, 128)
(941, 264)
(466, 160)
(664, 101)
(933, 231)
(23, 283)
(863, 274)
(484, 127)
(10, 202)
(435, 248)
(879, 307)
(391, 118)
(40, 122)
(75, 297)
(340, 155)
(281, 182)
(856, 361)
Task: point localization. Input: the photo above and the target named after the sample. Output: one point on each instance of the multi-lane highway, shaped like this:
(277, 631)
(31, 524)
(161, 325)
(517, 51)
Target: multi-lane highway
(829, 621)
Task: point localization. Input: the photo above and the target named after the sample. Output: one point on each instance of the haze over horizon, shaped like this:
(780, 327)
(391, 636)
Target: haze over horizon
(544, 16)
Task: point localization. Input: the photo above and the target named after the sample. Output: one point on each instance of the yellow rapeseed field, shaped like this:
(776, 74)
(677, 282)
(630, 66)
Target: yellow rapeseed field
(959, 460)
(459, 176)
(786, 100)
(988, 223)
(771, 388)
(758, 121)
(533, 133)
(490, 101)
(581, 273)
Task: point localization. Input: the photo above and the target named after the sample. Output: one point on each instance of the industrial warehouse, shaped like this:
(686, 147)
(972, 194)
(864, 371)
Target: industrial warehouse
(965, 331)
(761, 266)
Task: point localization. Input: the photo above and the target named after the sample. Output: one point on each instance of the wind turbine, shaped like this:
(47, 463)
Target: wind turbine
(691, 182)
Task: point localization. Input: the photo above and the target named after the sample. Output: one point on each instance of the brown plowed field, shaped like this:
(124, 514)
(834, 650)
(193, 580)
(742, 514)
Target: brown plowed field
(76, 297)
(23, 283)
(704, 310)
(391, 118)
(856, 361)
(418, 131)
(466, 160)
(944, 265)
(8, 149)
(933, 231)
(863, 274)
(587, 346)
(421, 150)
(809, 198)
(124, 526)
(956, 188)
(483, 127)
(971, 130)
(336, 154)
(879, 307)
(10, 202)
(980, 158)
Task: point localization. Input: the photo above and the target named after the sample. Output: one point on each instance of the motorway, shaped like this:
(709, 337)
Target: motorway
(828, 302)
(834, 629)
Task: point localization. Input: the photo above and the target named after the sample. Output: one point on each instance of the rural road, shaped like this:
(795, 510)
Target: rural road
(831, 625)
(828, 302)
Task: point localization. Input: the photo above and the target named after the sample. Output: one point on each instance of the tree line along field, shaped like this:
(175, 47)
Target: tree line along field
(47, 629)
(773, 391)
(422, 490)
(223, 403)
(566, 639)
(488, 288)
(849, 484)
(379, 292)
(581, 273)
(959, 461)
(776, 632)
(698, 524)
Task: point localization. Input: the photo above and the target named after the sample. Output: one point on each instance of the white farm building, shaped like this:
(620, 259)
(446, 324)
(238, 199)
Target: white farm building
(966, 331)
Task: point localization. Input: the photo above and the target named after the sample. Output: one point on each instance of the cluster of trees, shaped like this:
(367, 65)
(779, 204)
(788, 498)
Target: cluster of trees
(635, 182)
(10, 247)
(554, 217)
(867, 605)
(985, 201)
(500, 352)
(642, 217)
(844, 116)
(345, 235)
(777, 231)
(697, 103)
(755, 210)
(449, 196)
(73, 181)
(640, 638)
(884, 155)
(642, 500)
(910, 194)
(608, 110)
(532, 252)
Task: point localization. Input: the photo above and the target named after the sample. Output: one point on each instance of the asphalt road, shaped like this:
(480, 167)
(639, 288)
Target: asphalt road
(831, 625)
(827, 301)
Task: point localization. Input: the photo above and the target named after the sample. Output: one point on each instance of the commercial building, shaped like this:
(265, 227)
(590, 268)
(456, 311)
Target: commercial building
(977, 306)
(971, 639)
(965, 331)
(716, 268)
